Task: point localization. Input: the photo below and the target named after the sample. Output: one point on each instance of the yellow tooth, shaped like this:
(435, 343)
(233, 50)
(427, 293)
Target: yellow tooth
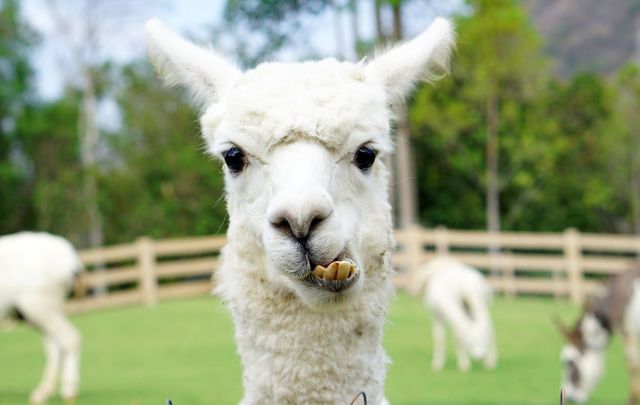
(353, 270)
(330, 274)
(343, 270)
(318, 271)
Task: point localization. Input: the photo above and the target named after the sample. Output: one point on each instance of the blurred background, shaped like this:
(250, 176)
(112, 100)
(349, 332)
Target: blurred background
(536, 129)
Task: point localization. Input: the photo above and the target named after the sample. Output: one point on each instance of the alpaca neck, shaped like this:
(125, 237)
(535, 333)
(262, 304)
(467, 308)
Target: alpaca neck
(293, 353)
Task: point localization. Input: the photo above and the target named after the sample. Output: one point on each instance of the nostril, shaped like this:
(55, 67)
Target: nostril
(283, 225)
(299, 227)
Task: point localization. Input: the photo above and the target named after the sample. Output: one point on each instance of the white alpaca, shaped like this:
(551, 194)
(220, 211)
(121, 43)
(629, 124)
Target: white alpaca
(36, 271)
(458, 296)
(306, 272)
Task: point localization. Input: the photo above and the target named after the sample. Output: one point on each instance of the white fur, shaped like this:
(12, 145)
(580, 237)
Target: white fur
(36, 271)
(299, 125)
(448, 284)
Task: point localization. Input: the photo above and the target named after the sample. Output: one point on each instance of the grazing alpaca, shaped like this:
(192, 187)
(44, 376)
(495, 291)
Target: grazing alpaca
(36, 271)
(584, 354)
(306, 272)
(458, 296)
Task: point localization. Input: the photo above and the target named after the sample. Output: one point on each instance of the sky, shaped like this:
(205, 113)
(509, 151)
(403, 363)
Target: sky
(123, 40)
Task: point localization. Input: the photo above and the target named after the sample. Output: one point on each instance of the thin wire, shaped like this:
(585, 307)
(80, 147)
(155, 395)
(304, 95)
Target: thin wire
(364, 398)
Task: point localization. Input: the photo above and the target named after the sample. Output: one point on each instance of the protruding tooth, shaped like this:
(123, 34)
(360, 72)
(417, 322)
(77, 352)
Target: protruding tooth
(353, 270)
(330, 274)
(319, 271)
(343, 270)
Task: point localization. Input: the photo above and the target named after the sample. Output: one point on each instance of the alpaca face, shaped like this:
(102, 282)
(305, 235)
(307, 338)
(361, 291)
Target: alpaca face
(304, 171)
(303, 147)
(583, 358)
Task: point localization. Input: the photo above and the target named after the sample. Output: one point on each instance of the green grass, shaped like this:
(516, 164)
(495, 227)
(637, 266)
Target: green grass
(185, 350)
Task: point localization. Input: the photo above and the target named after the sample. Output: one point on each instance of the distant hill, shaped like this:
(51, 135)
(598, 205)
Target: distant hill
(593, 35)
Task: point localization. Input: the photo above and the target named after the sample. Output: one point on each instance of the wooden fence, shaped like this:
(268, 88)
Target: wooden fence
(146, 271)
(568, 264)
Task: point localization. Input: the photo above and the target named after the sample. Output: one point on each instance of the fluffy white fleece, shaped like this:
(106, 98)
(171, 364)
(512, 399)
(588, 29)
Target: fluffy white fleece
(36, 271)
(299, 126)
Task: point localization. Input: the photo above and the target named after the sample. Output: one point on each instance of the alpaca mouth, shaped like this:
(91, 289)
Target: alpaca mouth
(339, 275)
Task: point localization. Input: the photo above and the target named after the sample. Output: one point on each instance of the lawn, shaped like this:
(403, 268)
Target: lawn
(185, 350)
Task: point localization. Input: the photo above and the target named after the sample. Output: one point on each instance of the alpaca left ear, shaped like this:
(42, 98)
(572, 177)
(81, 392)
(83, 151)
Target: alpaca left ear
(424, 58)
(201, 71)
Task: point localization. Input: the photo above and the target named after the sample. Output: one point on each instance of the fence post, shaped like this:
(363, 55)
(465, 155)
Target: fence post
(442, 240)
(573, 265)
(508, 275)
(414, 247)
(147, 268)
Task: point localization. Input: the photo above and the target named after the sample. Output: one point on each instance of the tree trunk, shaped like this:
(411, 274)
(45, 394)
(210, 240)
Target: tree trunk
(493, 188)
(406, 190)
(355, 28)
(377, 9)
(634, 181)
(337, 29)
(89, 138)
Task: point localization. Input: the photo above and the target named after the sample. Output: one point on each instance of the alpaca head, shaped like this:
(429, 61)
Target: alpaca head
(303, 147)
(583, 355)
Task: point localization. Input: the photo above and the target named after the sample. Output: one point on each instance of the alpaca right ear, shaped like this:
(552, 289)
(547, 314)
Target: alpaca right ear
(180, 62)
(424, 58)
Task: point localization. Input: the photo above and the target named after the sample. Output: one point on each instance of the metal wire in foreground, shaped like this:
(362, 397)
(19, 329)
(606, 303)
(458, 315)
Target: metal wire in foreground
(364, 398)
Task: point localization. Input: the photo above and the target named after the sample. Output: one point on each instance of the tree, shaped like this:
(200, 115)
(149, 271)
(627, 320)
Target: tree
(623, 147)
(16, 40)
(496, 74)
(161, 182)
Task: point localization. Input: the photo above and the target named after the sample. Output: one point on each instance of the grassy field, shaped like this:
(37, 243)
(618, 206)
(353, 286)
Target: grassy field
(185, 350)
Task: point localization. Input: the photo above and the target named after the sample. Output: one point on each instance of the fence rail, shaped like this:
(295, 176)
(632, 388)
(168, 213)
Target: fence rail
(568, 264)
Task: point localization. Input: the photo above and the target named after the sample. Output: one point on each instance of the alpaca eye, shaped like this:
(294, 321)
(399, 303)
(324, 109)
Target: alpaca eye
(364, 158)
(234, 159)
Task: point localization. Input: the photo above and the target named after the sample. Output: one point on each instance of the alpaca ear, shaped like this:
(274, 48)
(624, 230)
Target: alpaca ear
(562, 328)
(424, 58)
(180, 62)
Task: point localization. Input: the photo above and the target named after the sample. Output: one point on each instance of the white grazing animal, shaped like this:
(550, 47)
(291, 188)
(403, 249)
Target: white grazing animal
(458, 297)
(36, 272)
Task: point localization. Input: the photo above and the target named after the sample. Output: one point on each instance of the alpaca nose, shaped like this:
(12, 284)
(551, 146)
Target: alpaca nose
(298, 217)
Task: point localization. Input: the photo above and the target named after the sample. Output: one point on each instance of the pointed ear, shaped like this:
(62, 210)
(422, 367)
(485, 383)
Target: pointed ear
(562, 328)
(180, 62)
(424, 58)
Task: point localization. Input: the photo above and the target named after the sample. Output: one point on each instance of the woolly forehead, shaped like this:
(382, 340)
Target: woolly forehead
(326, 101)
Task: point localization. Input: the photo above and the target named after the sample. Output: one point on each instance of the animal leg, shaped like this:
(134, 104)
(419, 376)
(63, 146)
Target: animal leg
(491, 358)
(69, 340)
(452, 311)
(44, 308)
(439, 344)
(464, 363)
(47, 385)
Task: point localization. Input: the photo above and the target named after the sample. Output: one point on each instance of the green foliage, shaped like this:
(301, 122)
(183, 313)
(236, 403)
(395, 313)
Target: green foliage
(162, 183)
(48, 140)
(16, 40)
(498, 70)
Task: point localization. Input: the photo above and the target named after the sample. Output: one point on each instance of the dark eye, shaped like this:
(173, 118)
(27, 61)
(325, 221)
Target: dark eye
(364, 157)
(235, 159)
